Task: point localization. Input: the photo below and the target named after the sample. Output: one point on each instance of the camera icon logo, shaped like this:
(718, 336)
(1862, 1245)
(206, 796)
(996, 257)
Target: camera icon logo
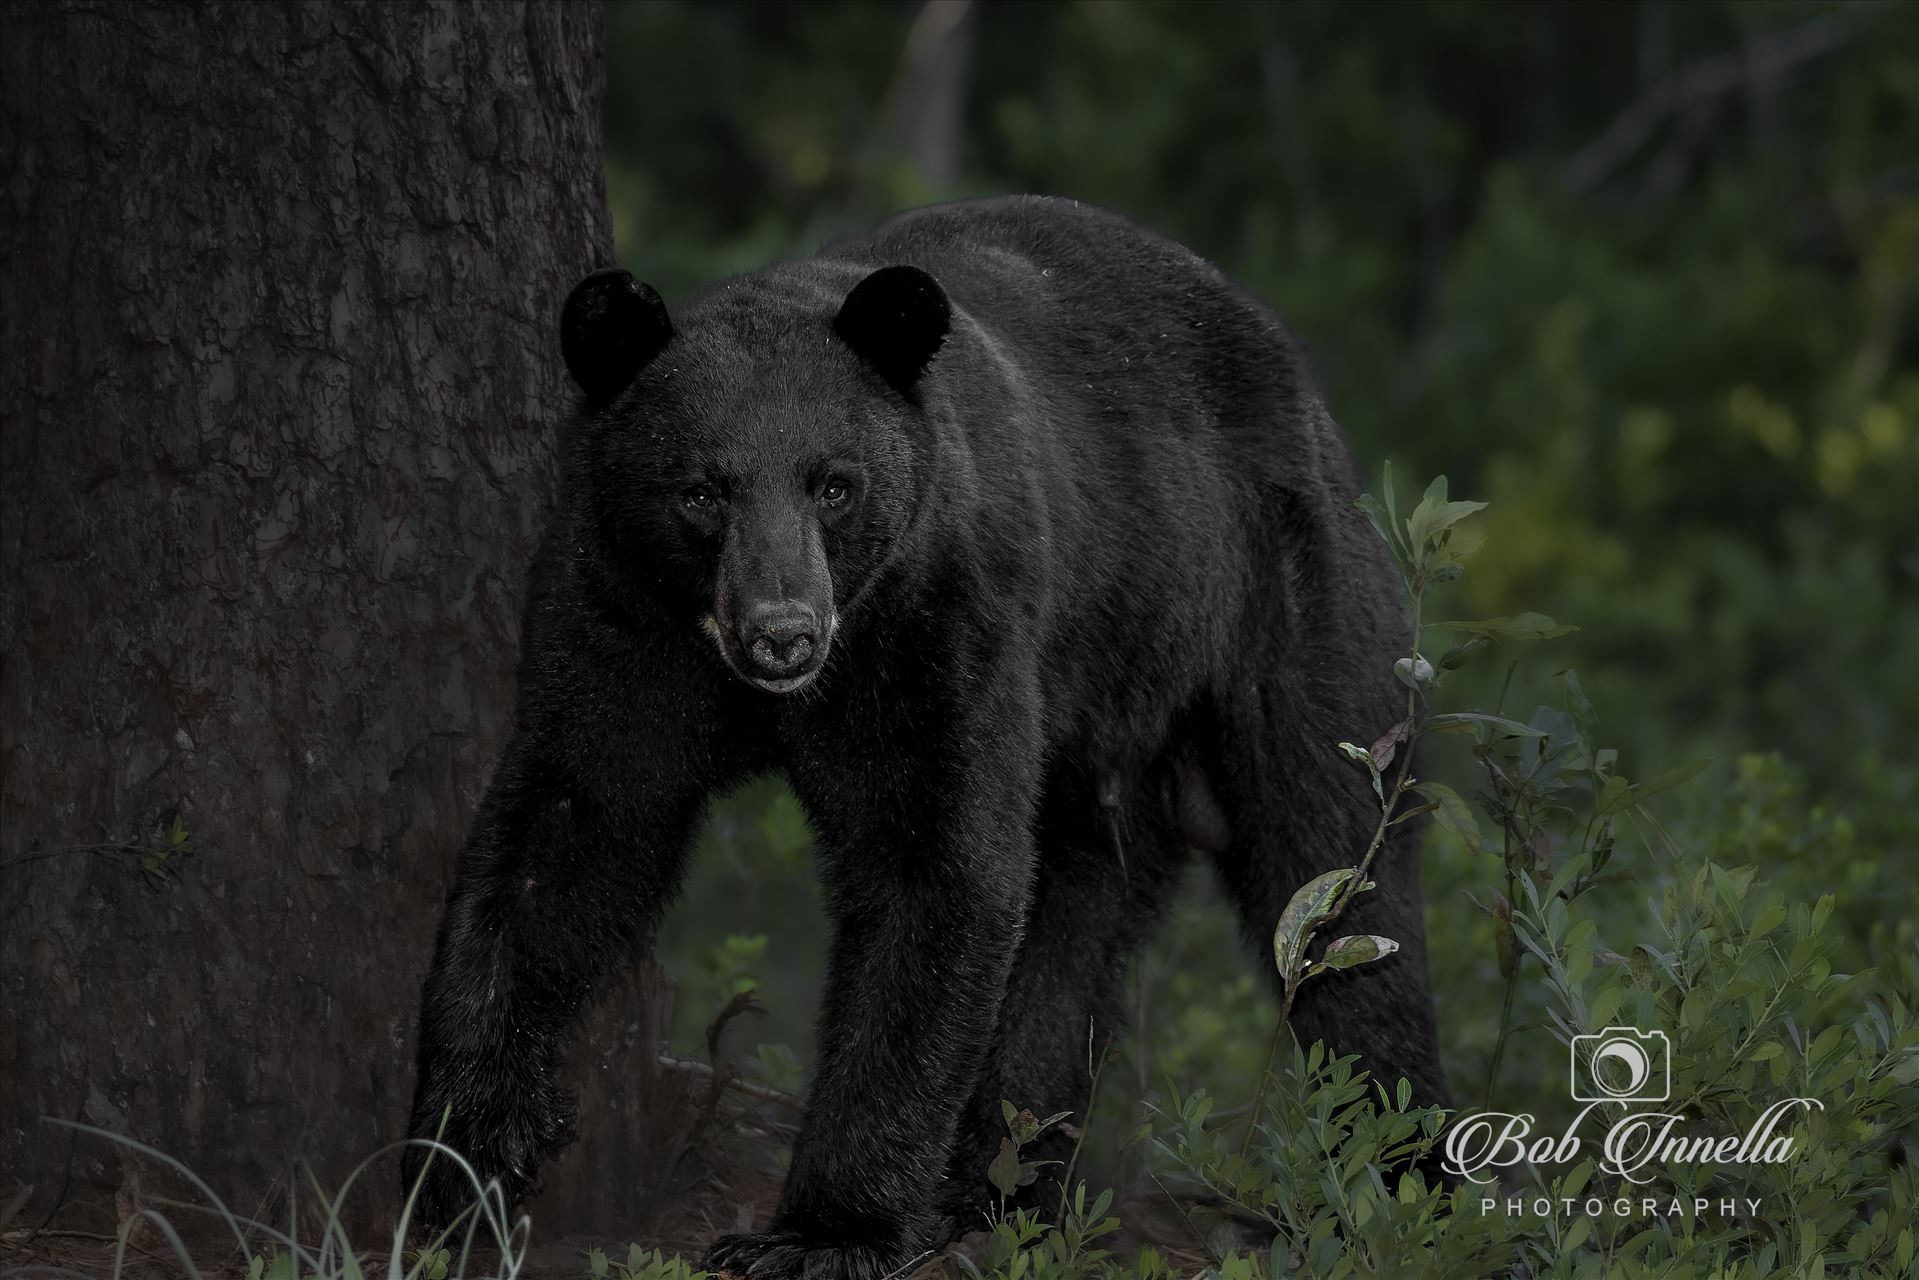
(1622, 1064)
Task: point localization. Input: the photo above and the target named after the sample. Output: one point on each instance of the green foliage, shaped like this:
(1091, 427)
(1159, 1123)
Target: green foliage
(640, 1264)
(777, 1067)
(1008, 1172)
(729, 965)
(427, 1264)
(1745, 980)
(748, 920)
(153, 856)
(1023, 1246)
(1312, 907)
(155, 862)
(1329, 1176)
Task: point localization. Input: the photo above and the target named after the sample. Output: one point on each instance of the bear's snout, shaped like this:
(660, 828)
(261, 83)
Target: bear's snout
(781, 640)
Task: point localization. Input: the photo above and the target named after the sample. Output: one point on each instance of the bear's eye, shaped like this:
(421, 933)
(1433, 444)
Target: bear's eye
(832, 493)
(699, 496)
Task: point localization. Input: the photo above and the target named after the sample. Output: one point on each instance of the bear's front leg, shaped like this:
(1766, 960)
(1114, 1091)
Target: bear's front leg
(580, 842)
(560, 879)
(926, 834)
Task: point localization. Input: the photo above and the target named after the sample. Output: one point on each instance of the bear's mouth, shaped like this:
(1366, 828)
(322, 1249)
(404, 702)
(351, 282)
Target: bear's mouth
(740, 662)
(790, 684)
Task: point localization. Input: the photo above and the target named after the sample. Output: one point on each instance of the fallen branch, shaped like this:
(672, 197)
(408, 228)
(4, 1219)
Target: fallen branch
(703, 1072)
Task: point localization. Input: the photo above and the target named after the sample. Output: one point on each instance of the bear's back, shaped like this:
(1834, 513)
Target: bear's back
(1136, 328)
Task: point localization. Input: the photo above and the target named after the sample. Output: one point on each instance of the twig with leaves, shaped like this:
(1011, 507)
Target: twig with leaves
(1428, 548)
(154, 855)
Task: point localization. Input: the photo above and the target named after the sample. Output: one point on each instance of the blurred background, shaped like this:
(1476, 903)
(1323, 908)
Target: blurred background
(1641, 276)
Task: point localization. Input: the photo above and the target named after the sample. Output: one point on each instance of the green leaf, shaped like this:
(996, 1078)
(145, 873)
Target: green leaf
(1462, 653)
(1434, 515)
(1383, 511)
(1453, 813)
(1467, 721)
(1310, 907)
(1417, 811)
(1025, 1126)
(1584, 717)
(1822, 911)
(1771, 914)
(1004, 1172)
(1617, 794)
(1383, 523)
(1414, 673)
(1457, 545)
(777, 1066)
(1365, 757)
(1414, 526)
(1732, 886)
(1357, 949)
(1568, 872)
(1447, 514)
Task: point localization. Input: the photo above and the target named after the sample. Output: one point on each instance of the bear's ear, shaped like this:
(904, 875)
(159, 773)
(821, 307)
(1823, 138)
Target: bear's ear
(896, 318)
(611, 327)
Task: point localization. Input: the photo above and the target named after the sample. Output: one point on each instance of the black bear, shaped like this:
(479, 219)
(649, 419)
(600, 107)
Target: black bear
(1020, 540)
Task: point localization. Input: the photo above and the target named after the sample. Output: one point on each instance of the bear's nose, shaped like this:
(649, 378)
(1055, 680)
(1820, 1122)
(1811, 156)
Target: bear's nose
(780, 637)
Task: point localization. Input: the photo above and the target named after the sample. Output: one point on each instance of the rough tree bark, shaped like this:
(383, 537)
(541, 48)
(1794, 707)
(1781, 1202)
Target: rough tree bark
(278, 404)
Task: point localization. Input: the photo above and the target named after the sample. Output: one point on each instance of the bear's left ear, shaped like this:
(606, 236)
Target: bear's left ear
(611, 326)
(896, 318)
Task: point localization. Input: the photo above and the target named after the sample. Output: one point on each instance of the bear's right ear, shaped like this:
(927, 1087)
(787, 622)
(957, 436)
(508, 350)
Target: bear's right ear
(611, 327)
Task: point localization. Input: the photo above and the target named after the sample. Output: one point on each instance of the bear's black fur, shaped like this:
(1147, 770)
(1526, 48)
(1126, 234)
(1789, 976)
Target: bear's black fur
(1019, 538)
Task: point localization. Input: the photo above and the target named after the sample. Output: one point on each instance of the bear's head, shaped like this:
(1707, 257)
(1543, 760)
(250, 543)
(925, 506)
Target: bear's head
(752, 468)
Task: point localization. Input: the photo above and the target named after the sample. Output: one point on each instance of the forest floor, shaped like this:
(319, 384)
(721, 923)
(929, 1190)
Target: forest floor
(1146, 1219)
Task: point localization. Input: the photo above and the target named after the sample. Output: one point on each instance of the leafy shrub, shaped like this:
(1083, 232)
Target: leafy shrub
(1741, 976)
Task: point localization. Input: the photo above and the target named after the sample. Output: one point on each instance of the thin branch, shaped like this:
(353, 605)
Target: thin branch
(1691, 86)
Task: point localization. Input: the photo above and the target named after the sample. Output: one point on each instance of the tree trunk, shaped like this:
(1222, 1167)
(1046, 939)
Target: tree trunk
(279, 400)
